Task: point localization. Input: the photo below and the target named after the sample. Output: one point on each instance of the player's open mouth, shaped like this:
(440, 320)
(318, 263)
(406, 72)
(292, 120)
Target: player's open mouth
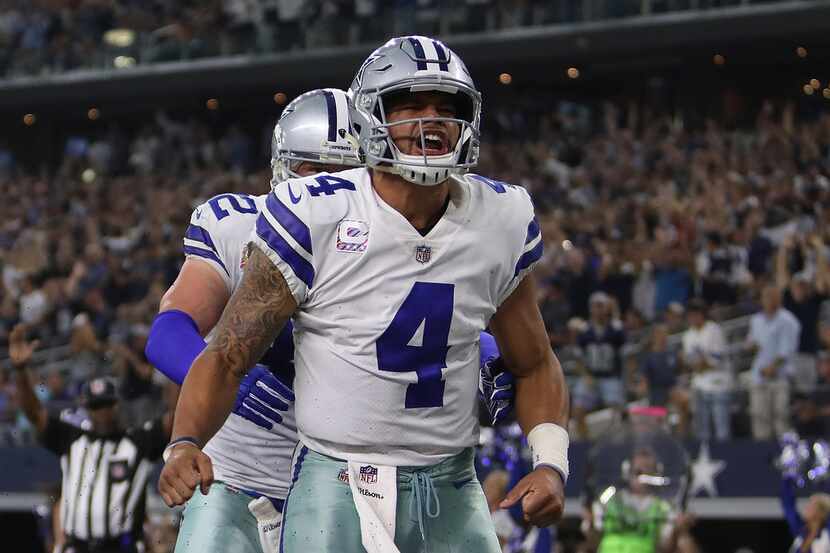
(436, 143)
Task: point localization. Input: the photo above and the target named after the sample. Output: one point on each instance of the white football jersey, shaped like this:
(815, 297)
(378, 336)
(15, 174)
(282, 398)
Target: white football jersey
(244, 455)
(387, 329)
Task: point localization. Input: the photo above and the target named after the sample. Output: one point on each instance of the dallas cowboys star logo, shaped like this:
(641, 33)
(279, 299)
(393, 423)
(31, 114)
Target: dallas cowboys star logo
(704, 472)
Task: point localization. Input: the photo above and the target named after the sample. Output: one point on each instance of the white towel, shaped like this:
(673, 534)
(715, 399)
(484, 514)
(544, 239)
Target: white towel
(375, 494)
(269, 523)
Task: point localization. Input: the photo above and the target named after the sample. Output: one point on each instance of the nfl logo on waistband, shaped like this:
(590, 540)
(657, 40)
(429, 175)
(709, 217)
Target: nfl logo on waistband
(368, 474)
(343, 476)
(423, 254)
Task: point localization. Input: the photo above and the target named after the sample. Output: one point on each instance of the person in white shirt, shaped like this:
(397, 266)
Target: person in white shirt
(704, 352)
(774, 335)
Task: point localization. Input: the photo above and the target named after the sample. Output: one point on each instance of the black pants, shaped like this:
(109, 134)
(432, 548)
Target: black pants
(74, 545)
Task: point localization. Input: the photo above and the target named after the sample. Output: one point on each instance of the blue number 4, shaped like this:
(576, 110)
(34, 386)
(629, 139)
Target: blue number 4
(328, 185)
(429, 305)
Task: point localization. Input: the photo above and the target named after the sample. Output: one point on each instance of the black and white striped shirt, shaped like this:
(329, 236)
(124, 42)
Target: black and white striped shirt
(104, 477)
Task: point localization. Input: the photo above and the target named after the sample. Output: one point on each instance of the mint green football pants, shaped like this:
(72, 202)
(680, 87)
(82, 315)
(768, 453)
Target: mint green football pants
(218, 522)
(320, 516)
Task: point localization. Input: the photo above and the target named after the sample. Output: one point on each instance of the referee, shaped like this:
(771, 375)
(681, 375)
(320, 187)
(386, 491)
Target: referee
(105, 467)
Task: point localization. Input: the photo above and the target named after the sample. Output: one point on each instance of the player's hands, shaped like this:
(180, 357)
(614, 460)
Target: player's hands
(20, 350)
(186, 468)
(261, 397)
(542, 493)
(496, 387)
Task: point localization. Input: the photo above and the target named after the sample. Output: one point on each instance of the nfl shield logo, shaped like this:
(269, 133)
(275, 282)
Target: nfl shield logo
(423, 254)
(343, 476)
(368, 474)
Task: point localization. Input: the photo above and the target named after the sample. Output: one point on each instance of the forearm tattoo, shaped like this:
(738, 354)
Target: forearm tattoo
(254, 316)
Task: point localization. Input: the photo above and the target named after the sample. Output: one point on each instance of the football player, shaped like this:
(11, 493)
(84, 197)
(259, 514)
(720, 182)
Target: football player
(390, 274)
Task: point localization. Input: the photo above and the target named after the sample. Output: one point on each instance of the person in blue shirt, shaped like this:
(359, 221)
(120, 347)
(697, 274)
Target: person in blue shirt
(811, 527)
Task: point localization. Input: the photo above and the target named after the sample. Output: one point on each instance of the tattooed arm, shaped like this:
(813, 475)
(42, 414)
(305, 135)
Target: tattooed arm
(254, 316)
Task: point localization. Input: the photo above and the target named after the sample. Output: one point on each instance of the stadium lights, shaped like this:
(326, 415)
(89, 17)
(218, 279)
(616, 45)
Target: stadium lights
(505, 78)
(93, 114)
(212, 104)
(808, 90)
(573, 72)
(801, 52)
(120, 38)
(718, 59)
(29, 119)
(280, 98)
(815, 83)
(123, 62)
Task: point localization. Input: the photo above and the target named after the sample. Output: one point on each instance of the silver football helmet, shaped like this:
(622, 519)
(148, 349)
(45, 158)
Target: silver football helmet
(415, 64)
(315, 127)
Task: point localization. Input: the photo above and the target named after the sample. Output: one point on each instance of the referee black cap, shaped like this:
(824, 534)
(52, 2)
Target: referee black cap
(99, 392)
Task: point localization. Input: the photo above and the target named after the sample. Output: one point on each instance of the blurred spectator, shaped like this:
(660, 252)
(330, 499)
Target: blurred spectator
(722, 268)
(601, 384)
(773, 335)
(659, 367)
(705, 353)
(803, 299)
(812, 411)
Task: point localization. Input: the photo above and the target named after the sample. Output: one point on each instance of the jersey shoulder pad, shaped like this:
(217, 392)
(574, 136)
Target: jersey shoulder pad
(219, 228)
(322, 198)
(511, 204)
(518, 229)
(300, 212)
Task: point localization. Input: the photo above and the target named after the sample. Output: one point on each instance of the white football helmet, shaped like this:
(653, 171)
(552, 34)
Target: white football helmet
(415, 64)
(315, 127)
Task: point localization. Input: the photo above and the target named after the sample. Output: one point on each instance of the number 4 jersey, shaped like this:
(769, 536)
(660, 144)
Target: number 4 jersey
(387, 329)
(244, 455)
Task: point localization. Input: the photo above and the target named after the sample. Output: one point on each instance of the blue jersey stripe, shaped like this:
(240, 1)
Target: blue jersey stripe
(200, 234)
(419, 53)
(207, 254)
(299, 465)
(532, 231)
(331, 107)
(529, 258)
(290, 222)
(442, 55)
(278, 244)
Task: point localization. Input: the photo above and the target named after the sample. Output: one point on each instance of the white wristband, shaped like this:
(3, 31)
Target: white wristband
(549, 447)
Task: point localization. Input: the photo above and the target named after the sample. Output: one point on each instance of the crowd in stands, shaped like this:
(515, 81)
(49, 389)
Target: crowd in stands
(39, 37)
(657, 240)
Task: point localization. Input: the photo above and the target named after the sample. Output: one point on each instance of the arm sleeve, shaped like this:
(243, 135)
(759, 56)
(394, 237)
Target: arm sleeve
(58, 435)
(788, 505)
(283, 233)
(174, 342)
(200, 243)
(531, 249)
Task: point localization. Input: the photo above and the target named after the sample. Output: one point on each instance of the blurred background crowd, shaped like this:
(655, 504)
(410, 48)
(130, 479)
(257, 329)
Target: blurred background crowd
(39, 37)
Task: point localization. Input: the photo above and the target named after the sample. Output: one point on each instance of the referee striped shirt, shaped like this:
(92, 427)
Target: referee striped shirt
(104, 476)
